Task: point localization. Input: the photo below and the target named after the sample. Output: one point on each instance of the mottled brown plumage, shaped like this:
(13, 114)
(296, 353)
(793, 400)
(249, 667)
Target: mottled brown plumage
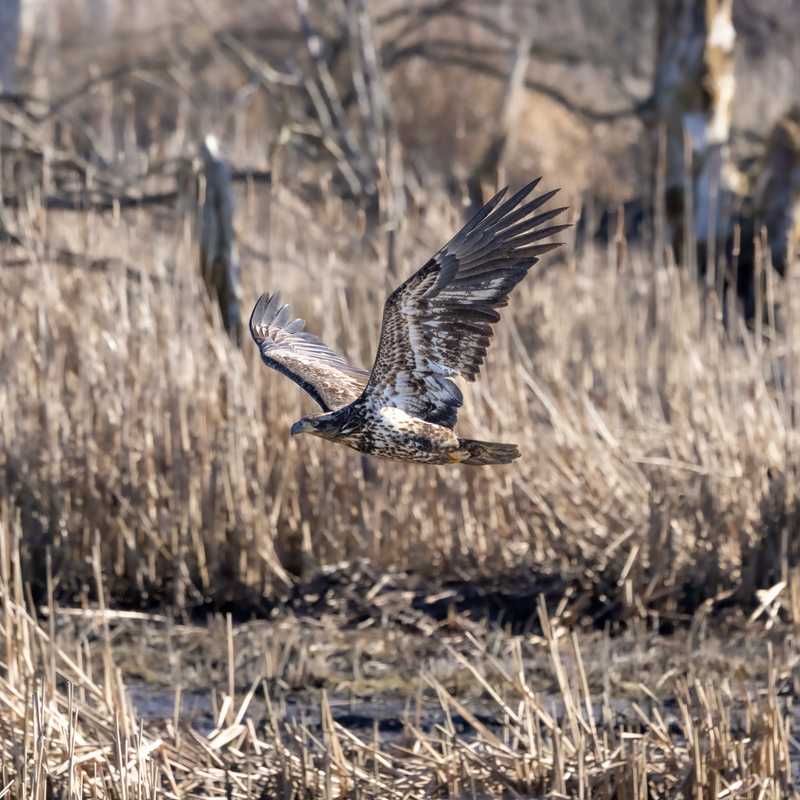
(301, 356)
(436, 326)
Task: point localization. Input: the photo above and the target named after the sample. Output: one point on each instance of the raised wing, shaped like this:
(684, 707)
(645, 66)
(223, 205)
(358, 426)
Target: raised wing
(438, 324)
(299, 355)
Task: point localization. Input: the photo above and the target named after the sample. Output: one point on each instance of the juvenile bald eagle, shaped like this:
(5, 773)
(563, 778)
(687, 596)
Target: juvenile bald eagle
(436, 326)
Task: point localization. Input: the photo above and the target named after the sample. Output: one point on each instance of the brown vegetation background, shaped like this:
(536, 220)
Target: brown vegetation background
(145, 461)
(659, 446)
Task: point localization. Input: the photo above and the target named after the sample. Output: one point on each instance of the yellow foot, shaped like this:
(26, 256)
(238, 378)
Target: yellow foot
(457, 456)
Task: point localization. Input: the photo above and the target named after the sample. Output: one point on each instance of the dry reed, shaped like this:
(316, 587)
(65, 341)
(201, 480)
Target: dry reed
(69, 728)
(145, 461)
(145, 465)
(658, 452)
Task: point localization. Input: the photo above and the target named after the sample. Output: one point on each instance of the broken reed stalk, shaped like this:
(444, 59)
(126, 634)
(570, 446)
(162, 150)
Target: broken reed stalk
(54, 739)
(152, 418)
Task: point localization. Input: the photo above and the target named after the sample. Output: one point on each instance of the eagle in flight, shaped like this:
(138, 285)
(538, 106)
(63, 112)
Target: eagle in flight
(436, 326)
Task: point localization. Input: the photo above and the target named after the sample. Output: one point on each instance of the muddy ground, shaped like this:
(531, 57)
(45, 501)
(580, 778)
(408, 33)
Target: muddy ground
(378, 647)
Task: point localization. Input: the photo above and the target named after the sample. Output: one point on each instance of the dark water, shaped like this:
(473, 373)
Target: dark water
(362, 717)
(365, 717)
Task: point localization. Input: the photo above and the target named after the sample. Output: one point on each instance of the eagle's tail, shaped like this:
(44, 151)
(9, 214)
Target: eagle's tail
(479, 454)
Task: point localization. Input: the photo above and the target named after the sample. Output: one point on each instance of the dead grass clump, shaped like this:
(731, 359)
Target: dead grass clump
(69, 728)
(659, 449)
(145, 461)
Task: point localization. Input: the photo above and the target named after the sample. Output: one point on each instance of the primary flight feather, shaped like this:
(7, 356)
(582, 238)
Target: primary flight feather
(436, 326)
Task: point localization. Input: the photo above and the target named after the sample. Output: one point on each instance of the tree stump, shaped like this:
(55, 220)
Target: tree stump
(218, 259)
(777, 195)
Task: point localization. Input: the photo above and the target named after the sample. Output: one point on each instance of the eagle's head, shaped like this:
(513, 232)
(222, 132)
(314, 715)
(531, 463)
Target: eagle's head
(334, 425)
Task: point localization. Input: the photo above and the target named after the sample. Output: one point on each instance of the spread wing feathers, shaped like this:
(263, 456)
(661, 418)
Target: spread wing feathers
(301, 356)
(438, 324)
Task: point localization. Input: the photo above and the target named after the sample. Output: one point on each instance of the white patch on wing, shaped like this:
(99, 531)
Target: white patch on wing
(400, 420)
(487, 293)
(397, 417)
(440, 369)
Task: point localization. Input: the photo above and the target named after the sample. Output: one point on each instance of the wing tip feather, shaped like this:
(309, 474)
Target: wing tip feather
(474, 274)
(268, 312)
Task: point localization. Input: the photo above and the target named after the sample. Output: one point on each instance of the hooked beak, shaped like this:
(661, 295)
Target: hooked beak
(301, 426)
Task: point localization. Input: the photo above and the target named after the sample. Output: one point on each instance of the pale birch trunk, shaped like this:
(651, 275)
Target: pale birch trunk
(694, 91)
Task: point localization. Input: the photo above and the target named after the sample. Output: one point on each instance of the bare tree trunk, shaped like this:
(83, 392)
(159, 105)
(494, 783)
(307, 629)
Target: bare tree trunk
(378, 125)
(218, 261)
(101, 13)
(489, 166)
(694, 91)
(777, 196)
(10, 13)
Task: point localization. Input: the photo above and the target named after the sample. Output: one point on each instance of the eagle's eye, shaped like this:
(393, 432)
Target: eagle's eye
(324, 425)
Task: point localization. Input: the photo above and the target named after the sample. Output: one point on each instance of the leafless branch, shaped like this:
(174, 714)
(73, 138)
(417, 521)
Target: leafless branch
(589, 114)
(489, 164)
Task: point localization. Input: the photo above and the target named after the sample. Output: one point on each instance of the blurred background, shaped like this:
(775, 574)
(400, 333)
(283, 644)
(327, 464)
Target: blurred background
(153, 77)
(192, 603)
(163, 164)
